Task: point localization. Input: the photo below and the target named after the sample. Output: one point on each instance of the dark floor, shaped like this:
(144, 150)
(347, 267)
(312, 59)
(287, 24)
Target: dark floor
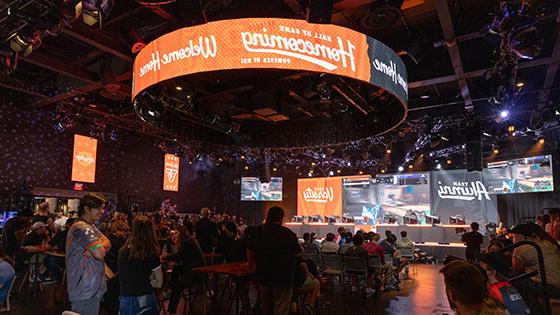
(424, 294)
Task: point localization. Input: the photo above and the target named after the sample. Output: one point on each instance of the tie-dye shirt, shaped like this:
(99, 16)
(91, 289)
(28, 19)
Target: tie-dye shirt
(86, 275)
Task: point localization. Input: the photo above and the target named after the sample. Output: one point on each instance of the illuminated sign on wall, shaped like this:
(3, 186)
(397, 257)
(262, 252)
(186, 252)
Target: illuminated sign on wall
(171, 173)
(83, 159)
(320, 196)
(270, 43)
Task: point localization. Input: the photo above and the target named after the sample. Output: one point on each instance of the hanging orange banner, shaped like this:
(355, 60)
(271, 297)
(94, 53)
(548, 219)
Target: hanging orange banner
(270, 43)
(171, 173)
(320, 196)
(83, 159)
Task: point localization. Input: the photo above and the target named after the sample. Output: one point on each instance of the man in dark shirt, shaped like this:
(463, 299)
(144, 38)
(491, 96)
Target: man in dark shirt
(206, 231)
(273, 250)
(473, 239)
(14, 231)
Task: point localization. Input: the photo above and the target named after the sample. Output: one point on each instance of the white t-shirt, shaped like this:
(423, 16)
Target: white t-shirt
(60, 222)
(329, 247)
(528, 256)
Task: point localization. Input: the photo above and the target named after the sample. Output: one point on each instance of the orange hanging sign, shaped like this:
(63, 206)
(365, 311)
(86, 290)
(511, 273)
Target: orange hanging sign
(320, 196)
(83, 160)
(171, 173)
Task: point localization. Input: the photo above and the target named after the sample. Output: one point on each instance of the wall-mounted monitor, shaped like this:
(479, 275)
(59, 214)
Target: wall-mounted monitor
(252, 189)
(531, 174)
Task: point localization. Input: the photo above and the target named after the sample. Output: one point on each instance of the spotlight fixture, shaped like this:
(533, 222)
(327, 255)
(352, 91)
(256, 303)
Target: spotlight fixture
(25, 40)
(504, 114)
(338, 171)
(274, 169)
(92, 11)
(438, 166)
(511, 128)
(410, 166)
(179, 88)
(246, 167)
(361, 173)
(401, 168)
(349, 164)
(311, 171)
(313, 164)
(309, 174)
(520, 84)
(540, 139)
(496, 150)
(388, 151)
(382, 171)
(444, 138)
(431, 154)
(331, 173)
(486, 134)
(449, 162)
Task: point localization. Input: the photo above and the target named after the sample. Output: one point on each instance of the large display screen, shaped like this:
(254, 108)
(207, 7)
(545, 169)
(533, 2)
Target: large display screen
(252, 189)
(532, 174)
(403, 197)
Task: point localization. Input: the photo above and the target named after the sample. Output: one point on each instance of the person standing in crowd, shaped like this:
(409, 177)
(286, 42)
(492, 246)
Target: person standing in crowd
(118, 232)
(497, 265)
(140, 269)
(228, 233)
(60, 220)
(329, 245)
(206, 232)
(7, 274)
(339, 239)
(466, 290)
(188, 257)
(86, 248)
(273, 252)
(42, 214)
(14, 231)
(473, 239)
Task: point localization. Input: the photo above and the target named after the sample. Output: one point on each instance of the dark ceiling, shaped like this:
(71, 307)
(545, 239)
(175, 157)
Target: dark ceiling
(87, 69)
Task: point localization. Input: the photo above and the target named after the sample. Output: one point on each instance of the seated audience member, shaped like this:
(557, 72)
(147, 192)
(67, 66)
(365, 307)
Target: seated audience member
(273, 251)
(405, 242)
(497, 265)
(494, 246)
(14, 231)
(339, 239)
(389, 247)
(373, 248)
(140, 270)
(473, 240)
(357, 250)
(466, 290)
(525, 257)
(347, 243)
(60, 219)
(308, 244)
(329, 245)
(35, 242)
(306, 284)
(315, 241)
(7, 274)
(239, 253)
(188, 257)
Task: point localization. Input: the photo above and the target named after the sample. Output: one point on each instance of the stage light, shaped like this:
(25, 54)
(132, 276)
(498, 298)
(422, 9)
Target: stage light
(179, 88)
(438, 166)
(511, 128)
(25, 40)
(323, 155)
(410, 166)
(274, 169)
(382, 171)
(311, 171)
(310, 174)
(361, 172)
(520, 84)
(349, 164)
(486, 134)
(540, 139)
(312, 163)
(243, 157)
(444, 138)
(331, 173)
(389, 151)
(246, 167)
(92, 11)
(431, 154)
(401, 168)
(449, 162)
(504, 114)
(338, 171)
(496, 150)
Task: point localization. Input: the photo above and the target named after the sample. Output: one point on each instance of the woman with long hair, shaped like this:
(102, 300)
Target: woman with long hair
(139, 269)
(188, 257)
(118, 232)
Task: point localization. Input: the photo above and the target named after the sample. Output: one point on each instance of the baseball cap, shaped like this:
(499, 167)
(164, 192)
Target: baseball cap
(37, 225)
(526, 229)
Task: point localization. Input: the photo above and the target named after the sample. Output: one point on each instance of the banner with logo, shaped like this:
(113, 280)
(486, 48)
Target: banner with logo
(463, 193)
(320, 196)
(270, 43)
(83, 159)
(171, 173)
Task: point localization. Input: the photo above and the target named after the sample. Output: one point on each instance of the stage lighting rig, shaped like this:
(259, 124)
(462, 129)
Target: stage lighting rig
(93, 11)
